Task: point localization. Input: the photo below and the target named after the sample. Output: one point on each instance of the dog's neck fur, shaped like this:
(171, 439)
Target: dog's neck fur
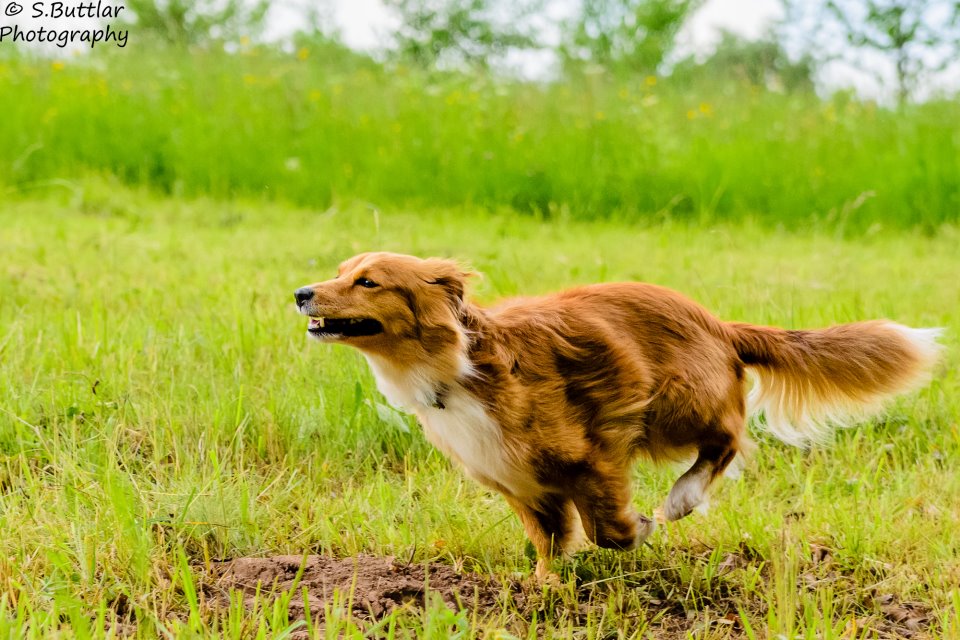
(436, 386)
(424, 380)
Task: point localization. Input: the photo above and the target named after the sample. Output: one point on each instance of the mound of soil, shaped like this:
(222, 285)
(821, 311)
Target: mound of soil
(372, 586)
(378, 584)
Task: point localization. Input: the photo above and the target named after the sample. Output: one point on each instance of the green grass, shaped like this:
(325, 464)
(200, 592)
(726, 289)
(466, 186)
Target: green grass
(301, 128)
(162, 408)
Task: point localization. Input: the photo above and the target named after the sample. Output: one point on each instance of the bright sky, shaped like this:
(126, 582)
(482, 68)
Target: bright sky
(749, 18)
(366, 25)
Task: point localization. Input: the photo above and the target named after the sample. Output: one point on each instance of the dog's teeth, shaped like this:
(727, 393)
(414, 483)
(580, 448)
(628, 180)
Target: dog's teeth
(320, 322)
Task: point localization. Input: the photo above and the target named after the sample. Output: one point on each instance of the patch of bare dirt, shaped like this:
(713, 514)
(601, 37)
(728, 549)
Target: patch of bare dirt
(370, 587)
(377, 584)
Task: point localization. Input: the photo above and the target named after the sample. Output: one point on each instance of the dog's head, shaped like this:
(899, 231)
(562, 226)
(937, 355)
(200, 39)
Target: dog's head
(389, 304)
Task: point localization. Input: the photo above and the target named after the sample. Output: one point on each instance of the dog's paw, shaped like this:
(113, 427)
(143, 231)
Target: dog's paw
(545, 576)
(550, 580)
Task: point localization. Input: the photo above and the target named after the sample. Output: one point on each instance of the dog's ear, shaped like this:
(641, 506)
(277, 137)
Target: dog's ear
(440, 308)
(450, 276)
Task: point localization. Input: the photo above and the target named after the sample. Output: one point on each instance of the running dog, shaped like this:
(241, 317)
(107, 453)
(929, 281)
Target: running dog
(549, 400)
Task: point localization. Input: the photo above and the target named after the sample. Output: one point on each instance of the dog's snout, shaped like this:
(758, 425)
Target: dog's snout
(302, 295)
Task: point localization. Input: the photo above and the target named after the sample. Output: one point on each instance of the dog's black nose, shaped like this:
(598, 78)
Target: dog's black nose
(302, 294)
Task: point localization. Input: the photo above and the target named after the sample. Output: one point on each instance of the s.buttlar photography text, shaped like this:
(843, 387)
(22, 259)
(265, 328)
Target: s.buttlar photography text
(72, 24)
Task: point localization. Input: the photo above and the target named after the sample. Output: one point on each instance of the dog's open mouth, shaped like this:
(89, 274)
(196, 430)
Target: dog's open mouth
(345, 327)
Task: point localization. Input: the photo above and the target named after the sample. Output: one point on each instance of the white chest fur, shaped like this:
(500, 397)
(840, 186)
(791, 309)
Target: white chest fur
(462, 429)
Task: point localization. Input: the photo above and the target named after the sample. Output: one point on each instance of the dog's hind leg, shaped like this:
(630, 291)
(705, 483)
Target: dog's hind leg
(691, 489)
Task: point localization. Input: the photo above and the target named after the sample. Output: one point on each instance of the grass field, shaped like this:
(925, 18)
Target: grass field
(318, 127)
(162, 409)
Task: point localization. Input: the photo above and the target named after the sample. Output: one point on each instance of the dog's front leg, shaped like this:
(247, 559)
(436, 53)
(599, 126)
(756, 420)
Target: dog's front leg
(606, 510)
(552, 525)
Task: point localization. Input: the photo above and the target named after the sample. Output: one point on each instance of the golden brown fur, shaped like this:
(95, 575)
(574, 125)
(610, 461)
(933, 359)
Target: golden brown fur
(549, 400)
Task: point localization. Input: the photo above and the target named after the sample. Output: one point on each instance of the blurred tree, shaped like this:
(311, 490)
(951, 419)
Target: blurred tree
(624, 35)
(190, 22)
(916, 35)
(455, 32)
(318, 38)
(762, 63)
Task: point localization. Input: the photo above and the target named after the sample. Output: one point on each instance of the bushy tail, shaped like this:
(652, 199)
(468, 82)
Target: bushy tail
(810, 381)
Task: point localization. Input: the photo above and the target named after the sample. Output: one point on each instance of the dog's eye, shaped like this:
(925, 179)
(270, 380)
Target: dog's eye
(365, 282)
